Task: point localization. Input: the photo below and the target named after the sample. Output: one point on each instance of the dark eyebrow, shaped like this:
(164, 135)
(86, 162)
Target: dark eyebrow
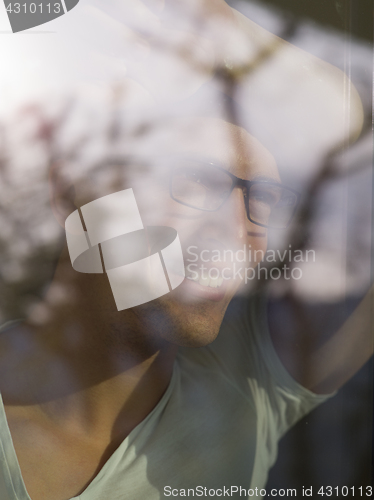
(209, 160)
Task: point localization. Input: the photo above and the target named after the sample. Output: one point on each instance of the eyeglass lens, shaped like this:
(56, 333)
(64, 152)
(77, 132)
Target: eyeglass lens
(206, 187)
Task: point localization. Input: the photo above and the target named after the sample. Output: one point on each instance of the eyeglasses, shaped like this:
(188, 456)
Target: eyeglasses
(205, 186)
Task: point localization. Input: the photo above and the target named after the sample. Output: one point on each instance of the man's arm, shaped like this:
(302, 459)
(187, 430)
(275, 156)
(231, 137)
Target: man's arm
(324, 367)
(335, 362)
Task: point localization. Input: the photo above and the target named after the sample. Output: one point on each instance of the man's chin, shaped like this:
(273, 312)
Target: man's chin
(193, 336)
(186, 325)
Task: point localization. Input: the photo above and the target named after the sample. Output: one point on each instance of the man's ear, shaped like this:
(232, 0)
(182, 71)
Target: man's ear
(61, 193)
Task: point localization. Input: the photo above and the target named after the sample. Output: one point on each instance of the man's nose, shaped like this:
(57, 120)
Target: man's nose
(229, 226)
(233, 216)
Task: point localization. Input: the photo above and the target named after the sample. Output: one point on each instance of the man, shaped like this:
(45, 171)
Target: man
(96, 403)
(102, 403)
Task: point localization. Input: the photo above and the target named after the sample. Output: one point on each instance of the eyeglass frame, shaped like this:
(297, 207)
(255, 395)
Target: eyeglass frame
(242, 183)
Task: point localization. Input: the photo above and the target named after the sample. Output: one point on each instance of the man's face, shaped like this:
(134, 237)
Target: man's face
(192, 313)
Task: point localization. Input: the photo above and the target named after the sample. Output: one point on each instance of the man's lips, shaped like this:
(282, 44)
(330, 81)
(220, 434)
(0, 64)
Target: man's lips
(208, 283)
(194, 289)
